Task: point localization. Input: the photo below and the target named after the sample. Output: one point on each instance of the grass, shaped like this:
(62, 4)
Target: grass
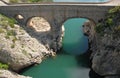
(7, 27)
(5, 21)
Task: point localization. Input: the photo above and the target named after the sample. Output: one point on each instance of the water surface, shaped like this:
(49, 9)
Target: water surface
(63, 66)
(74, 41)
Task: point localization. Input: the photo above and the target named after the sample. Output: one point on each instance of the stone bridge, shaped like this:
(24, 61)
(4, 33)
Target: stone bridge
(57, 13)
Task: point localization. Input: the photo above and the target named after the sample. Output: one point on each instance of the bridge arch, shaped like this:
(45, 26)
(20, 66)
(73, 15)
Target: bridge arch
(83, 29)
(39, 24)
(93, 21)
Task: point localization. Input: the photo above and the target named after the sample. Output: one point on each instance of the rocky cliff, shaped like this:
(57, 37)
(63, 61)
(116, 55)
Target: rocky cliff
(105, 44)
(20, 49)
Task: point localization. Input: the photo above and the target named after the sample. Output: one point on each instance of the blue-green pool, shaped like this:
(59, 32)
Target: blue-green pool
(63, 66)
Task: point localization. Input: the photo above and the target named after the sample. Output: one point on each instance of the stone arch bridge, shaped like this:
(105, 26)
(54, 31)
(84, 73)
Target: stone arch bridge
(57, 13)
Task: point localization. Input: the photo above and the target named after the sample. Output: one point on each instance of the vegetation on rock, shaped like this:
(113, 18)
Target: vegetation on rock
(4, 66)
(106, 53)
(5, 21)
(110, 23)
(6, 25)
(18, 48)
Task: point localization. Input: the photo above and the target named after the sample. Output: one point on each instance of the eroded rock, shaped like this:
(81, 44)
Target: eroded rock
(105, 52)
(9, 74)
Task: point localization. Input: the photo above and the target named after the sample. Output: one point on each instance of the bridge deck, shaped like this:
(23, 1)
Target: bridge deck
(109, 3)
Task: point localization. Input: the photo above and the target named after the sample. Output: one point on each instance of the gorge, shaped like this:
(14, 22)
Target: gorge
(28, 45)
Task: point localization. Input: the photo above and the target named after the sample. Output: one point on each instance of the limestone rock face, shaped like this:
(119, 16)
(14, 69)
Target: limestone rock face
(41, 29)
(9, 74)
(105, 51)
(106, 59)
(23, 46)
(21, 50)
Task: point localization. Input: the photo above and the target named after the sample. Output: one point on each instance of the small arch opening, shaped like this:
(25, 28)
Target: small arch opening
(19, 16)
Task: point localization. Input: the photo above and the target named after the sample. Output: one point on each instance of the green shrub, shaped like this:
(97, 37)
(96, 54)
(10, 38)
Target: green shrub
(11, 33)
(5, 21)
(4, 66)
(99, 28)
(13, 1)
(109, 21)
(11, 22)
(35, 0)
(114, 10)
(1, 30)
(13, 46)
(14, 39)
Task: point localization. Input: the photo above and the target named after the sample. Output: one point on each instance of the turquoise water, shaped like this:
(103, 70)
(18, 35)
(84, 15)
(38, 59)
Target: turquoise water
(67, 64)
(63, 66)
(74, 41)
(81, 0)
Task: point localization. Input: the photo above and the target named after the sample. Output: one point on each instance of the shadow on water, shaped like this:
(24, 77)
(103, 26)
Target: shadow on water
(93, 74)
(85, 61)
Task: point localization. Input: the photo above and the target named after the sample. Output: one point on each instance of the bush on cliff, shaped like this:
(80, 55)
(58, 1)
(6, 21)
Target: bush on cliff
(110, 24)
(4, 66)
